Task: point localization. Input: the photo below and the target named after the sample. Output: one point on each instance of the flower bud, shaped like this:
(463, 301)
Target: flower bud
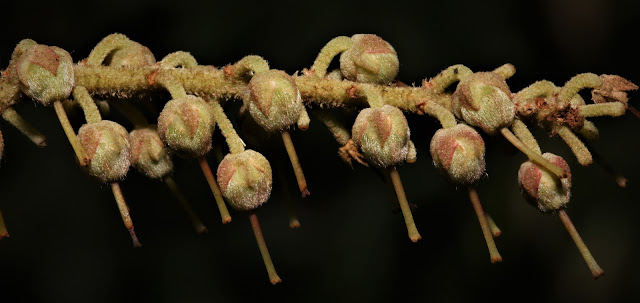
(484, 100)
(382, 134)
(273, 100)
(245, 179)
(45, 73)
(186, 125)
(369, 60)
(132, 55)
(107, 146)
(458, 152)
(541, 188)
(148, 153)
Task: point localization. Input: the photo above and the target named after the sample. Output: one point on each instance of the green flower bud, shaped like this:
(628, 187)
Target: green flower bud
(369, 60)
(45, 73)
(382, 134)
(132, 55)
(186, 125)
(107, 146)
(541, 188)
(148, 153)
(245, 179)
(273, 100)
(458, 152)
(484, 100)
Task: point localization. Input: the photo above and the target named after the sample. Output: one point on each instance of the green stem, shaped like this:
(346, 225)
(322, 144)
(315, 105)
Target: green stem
(11, 116)
(217, 194)
(295, 163)
(91, 112)
(71, 134)
(414, 235)
(264, 251)
(484, 225)
(236, 145)
(596, 271)
(124, 212)
(333, 48)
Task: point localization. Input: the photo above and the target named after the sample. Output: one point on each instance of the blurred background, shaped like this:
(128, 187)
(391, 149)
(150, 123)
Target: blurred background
(68, 243)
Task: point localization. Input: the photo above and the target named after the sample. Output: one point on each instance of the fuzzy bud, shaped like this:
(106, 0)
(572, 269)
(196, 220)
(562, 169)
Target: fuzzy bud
(273, 100)
(382, 134)
(369, 60)
(458, 152)
(148, 153)
(186, 125)
(132, 55)
(484, 100)
(45, 73)
(541, 188)
(245, 179)
(107, 146)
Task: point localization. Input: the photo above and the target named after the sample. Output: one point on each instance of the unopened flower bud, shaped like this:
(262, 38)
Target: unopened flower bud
(132, 55)
(369, 60)
(245, 179)
(107, 146)
(148, 153)
(484, 100)
(186, 125)
(273, 100)
(541, 188)
(458, 152)
(382, 134)
(45, 73)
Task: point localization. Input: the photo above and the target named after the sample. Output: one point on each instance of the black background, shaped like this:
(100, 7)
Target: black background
(68, 244)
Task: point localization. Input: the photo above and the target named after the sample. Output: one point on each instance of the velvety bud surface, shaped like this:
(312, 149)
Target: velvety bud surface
(273, 100)
(148, 153)
(107, 146)
(245, 179)
(458, 152)
(133, 55)
(186, 125)
(369, 60)
(382, 134)
(541, 188)
(45, 73)
(484, 100)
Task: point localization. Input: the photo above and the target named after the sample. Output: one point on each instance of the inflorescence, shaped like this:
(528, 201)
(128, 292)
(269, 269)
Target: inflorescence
(123, 74)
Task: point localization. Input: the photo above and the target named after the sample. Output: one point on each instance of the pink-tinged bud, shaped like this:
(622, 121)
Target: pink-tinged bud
(541, 188)
(458, 152)
(245, 179)
(484, 100)
(132, 55)
(369, 60)
(186, 125)
(148, 153)
(273, 100)
(382, 134)
(45, 73)
(107, 146)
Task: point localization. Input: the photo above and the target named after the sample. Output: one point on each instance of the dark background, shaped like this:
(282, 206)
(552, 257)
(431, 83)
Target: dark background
(68, 244)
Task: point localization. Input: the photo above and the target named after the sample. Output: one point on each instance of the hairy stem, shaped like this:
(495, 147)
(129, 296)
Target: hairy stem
(91, 112)
(236, 145)
(333, 48)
